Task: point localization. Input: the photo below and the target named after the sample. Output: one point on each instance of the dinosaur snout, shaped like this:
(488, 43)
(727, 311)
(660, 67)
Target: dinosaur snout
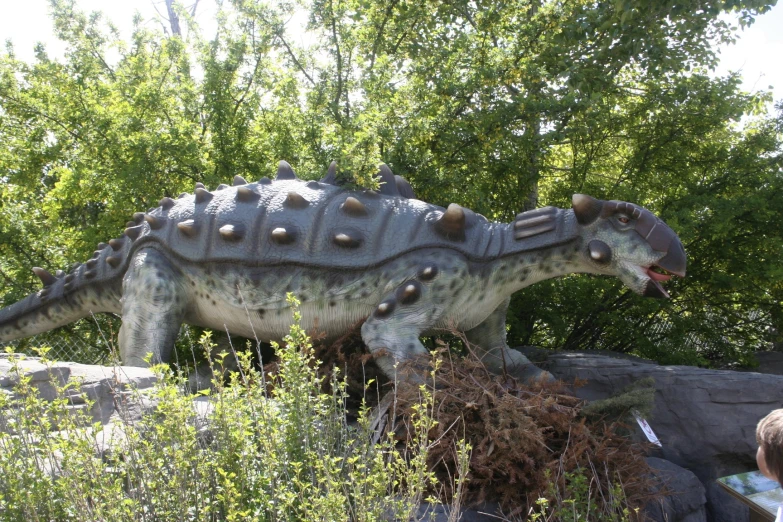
(674, 261)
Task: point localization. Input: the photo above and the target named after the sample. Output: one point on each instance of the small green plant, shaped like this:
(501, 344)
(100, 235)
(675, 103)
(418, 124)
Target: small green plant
(570, 498)
(236, 452)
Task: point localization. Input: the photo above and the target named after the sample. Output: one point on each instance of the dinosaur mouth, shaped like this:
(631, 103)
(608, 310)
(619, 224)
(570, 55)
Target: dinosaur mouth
(656, 275)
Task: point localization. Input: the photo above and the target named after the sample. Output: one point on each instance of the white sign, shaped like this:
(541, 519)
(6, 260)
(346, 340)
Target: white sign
(648, 431)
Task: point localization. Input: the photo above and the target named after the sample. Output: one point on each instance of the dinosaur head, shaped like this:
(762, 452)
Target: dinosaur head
(630, 242)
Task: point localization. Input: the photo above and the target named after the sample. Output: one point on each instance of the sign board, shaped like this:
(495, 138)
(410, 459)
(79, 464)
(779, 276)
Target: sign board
(753, 489)
(648, 431)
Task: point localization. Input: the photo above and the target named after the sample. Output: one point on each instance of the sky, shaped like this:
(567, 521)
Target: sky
(757, 54)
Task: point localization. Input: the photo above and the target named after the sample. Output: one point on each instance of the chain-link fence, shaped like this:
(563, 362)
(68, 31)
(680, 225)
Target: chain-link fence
(81, 345)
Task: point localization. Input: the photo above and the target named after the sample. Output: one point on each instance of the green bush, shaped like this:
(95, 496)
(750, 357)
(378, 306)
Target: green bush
(279, 455)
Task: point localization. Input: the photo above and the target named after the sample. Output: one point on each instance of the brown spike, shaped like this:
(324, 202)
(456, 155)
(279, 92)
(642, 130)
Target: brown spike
(452, 223)
(239, 180)
(534, 231)
(245, 194)
(586, 208)
(67, 287)
(113, 261)
(89, 274)
(265, 181)
(102, 245)
(138, 217)
(282, 236)
(199, 185)
(295, 200)
(183, 195)
(91, 264)
(388, 181)
(69, 278)
(96, 254)
(428, 273)
(347, 240)
(284, 171)
(116, 244)
(202, 195)
(222, 186)
(46, 278)
(130, 224)
(59, 274)
(409, 292)
(134, 232)
(385, 309)
(313, 185)
(188, 227)
(166, 203)
(331, 174)
(543, 211)
(354, 207)
(527, 222)
(231, 232)
(155, 222)
(600, 252)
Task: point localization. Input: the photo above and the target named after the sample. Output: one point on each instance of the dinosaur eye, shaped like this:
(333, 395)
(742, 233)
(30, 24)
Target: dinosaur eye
(623, 219)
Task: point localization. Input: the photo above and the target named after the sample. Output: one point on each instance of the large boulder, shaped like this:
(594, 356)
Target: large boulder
(111, 390)
(705, 419)
(685, 500)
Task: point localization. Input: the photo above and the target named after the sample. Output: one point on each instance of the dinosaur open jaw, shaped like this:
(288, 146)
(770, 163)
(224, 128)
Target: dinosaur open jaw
(656, 275)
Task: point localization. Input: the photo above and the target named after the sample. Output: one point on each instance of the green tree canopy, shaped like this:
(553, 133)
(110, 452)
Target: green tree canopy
(498, 106)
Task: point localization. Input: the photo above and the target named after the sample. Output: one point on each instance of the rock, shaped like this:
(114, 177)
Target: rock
(107, 387)
(770, 362)
(705, 419)
(685, 501)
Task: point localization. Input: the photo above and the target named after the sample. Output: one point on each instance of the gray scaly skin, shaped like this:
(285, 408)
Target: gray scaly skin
(226, 259)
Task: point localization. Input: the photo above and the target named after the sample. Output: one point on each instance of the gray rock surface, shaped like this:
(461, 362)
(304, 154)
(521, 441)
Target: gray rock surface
(685, 500)
(113, 390)
(705, 419)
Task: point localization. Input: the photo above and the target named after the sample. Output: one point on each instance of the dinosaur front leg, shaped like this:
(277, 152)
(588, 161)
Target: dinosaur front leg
(489, 339)
(393, 330)
(153, 307)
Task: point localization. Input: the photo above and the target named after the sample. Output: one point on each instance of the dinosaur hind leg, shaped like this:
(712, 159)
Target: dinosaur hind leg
(489, 338)
(153, 308)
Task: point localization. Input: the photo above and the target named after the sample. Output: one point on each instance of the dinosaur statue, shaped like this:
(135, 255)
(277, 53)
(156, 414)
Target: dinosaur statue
(226, 259)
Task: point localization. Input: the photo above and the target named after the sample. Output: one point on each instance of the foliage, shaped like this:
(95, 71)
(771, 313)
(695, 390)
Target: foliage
(529, 442)
(245, 454)
(499, 106)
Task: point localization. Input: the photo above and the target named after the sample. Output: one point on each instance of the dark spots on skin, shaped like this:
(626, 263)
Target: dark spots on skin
(525, 272)
(260, 312)
(192, 283)
(214, 303)
(482, 297)
(547, 269)
(411, 347)
(453, 284)
(332, 303)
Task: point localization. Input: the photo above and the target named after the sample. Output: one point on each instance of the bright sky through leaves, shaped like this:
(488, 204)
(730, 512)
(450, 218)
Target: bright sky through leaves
(756, 54)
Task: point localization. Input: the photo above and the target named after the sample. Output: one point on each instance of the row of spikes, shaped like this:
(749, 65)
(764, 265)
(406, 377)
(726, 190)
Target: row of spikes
(451, 224)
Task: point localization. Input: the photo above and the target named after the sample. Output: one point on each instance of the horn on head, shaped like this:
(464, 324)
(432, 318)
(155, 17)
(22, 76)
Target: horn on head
(586, 208)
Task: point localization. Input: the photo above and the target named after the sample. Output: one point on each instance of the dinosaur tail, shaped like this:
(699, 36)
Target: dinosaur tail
(63, 300)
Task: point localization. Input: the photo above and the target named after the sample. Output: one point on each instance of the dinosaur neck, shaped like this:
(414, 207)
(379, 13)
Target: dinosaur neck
(544, 243)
